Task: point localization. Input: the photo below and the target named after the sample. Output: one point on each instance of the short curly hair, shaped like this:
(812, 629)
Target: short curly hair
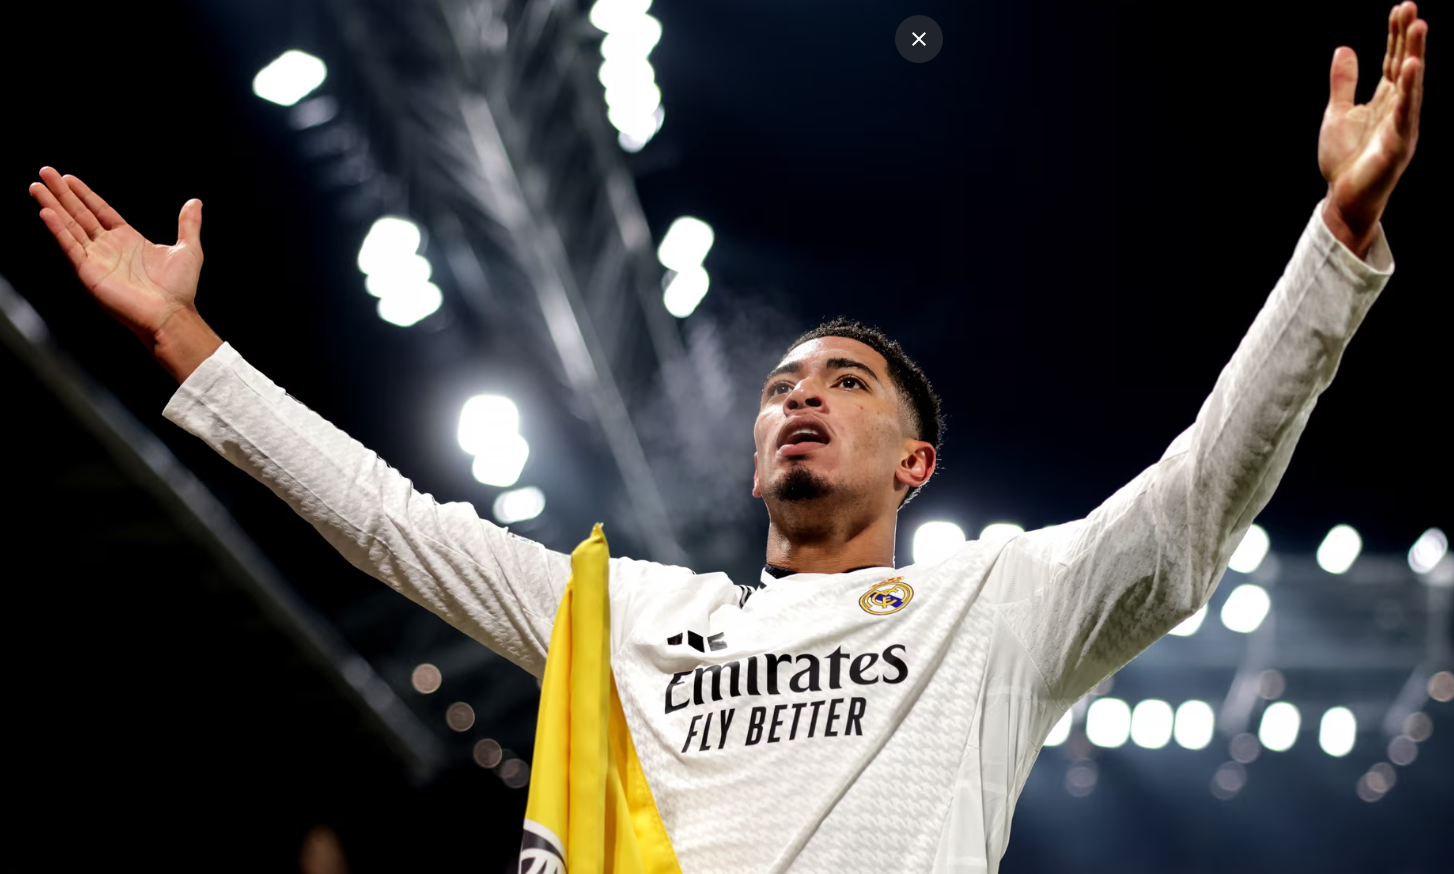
(926, 420)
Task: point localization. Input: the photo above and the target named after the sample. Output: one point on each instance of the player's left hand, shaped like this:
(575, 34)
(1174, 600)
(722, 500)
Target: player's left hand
(1364, 149)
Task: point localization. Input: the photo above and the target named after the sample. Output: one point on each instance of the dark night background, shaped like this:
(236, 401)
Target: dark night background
(1068, 218)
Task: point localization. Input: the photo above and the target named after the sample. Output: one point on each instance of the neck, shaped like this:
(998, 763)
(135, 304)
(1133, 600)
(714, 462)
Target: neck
(829, 549)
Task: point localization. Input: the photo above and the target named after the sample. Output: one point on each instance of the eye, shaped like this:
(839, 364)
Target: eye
(773, 389)
(857, 383)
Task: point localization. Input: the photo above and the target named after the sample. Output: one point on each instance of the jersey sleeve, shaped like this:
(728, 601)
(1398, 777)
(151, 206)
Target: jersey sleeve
(496, 587)
(1086, 597)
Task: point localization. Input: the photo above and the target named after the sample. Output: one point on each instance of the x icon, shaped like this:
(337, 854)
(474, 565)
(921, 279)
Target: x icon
(919, 39)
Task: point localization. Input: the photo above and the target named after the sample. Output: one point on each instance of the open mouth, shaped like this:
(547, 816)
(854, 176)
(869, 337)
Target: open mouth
(802, 438)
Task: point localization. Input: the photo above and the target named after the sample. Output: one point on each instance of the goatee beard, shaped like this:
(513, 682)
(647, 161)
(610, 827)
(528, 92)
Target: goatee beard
(801, 484)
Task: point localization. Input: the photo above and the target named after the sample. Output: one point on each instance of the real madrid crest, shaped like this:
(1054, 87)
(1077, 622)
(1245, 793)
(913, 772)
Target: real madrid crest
(886, 597)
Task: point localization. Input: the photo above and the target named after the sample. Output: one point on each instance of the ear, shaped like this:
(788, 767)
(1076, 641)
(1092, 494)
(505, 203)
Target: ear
(917, 465)
(755, 492)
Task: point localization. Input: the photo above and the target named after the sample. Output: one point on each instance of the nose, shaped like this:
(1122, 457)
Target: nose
(804, 395)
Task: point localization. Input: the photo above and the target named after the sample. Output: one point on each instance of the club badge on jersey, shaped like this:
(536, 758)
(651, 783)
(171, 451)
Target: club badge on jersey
(889, 596)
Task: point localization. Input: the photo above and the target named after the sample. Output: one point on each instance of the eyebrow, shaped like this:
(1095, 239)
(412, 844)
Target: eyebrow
(831, 364)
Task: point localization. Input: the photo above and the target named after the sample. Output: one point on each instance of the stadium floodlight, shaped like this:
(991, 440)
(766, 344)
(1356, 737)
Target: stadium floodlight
(501, 460)
(1280, 724)
(936, 540)
(612, 15)
(634, 37)
(407, 305)
(1337, 731)
(626, 73)
(518, 505)
(637, 125)
(1251, 551)
(1151, 724)
(291, 76)
(686, 244)
(1190, 624)
(1060, 732)
(1245, 608)
(1195, 723)
(636, 99)
(1428, 550)
(403, 272)
(640, 130)
(1108, 722)
(390, 240)
(482, 418)
(1339, 549)
(685, 291)
(1000, 531)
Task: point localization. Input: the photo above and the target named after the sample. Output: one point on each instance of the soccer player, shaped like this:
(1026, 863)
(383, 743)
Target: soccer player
(839, 714)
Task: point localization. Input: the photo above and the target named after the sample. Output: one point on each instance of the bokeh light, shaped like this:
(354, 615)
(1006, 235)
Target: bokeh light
(426, 678)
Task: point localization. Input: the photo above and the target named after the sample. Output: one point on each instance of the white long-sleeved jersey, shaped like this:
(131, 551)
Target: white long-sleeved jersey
(879, 720)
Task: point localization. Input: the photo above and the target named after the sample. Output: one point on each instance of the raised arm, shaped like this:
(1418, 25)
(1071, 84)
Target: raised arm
(498, 588)
(1087, 597)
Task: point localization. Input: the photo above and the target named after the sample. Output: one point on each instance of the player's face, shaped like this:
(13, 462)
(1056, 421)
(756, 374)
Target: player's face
(829, 410)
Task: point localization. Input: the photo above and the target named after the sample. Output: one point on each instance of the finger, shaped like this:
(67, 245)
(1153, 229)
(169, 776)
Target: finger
(1388, 52)
(63, 219)
(64, 237)
(109, 218)
(1406, 114)
(1418, 32)
(189, 223)
(1343, 77)
(1400, 40)
(70, 203)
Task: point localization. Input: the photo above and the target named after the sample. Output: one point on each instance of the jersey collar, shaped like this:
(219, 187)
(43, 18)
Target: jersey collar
(771, 572)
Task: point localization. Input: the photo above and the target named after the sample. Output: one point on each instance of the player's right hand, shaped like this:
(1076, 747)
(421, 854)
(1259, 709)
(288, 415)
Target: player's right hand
(140, 283)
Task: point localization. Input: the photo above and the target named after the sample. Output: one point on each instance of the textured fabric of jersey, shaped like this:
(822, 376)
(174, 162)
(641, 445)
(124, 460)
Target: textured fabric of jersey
(879, 720)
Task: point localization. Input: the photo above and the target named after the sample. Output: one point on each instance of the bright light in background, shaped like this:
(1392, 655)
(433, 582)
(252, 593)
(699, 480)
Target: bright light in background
(1060, 732)
(1000, 530)
(1251, 551)
(1280, 724)
(501, 464)
(489, 430)
(484, 415)
(388, 241)
(396, 274)
(289, 78)
(1194, 724)
(1337, 731)
(627, 73)
(519, 505)
(683, 249)
(1339, 549)
(632, 96)
(1108, 722)
(1426, 552)
(685, 291)
(633, 36)
(1151, 724)
(426, 679)
(1245, 608)
(936, 540)
(686, 244)
(610, 15)
(1190, 624)
(406, 306)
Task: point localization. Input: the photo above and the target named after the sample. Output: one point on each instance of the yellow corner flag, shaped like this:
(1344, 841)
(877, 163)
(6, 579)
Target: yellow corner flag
(589, 807)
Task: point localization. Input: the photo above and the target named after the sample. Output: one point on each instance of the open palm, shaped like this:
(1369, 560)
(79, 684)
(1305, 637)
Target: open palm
(138, 282)
(1363, 149)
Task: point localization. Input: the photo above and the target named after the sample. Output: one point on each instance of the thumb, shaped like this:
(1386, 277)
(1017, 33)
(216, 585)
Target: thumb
(1343, 78)
(189, 224)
